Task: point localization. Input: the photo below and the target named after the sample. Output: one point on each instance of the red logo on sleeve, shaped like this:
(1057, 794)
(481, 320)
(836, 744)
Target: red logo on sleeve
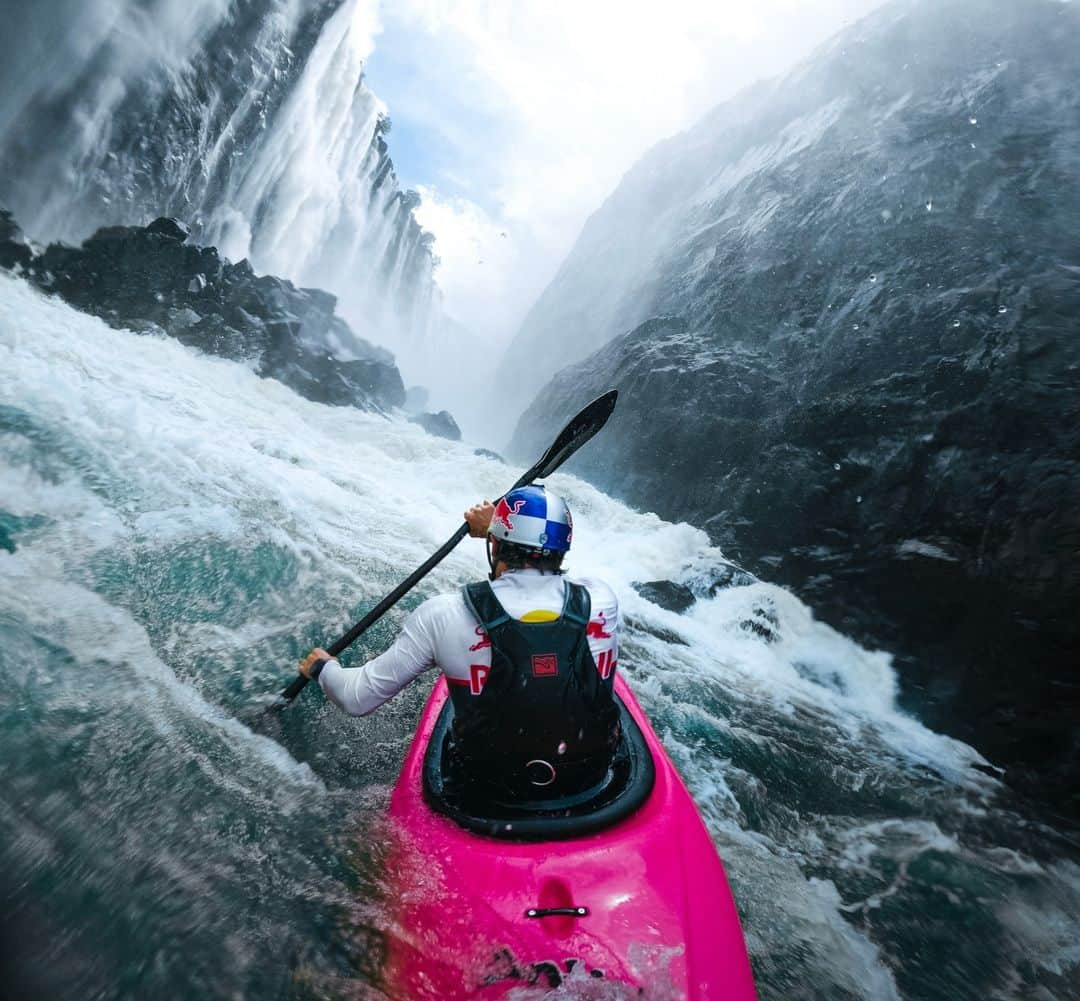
(545, 665)
(598, 630)
(606, 664)
(484, 641)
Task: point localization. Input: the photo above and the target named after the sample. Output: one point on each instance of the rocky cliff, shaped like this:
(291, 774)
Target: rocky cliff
(852, 298)
(249, 119)
(152, 280)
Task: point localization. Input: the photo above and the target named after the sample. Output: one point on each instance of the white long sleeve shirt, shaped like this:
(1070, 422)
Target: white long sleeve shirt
(443, 633)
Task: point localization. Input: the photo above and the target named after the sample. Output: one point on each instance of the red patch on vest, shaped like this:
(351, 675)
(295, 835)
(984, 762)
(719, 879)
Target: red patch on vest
(545, 665)
(478, 674)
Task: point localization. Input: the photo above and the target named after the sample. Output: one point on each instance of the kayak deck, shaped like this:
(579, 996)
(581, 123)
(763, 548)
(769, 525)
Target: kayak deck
(644, 903)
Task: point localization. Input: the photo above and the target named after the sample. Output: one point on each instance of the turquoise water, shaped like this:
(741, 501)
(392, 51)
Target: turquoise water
(175, 532)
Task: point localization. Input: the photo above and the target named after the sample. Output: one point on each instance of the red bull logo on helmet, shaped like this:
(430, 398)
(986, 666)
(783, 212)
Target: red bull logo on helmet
(504, 512)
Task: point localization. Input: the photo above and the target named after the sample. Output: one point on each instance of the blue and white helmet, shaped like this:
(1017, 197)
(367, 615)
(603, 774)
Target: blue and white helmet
(533, 518)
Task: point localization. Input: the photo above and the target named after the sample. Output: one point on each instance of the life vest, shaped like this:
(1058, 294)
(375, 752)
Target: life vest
(545, 724)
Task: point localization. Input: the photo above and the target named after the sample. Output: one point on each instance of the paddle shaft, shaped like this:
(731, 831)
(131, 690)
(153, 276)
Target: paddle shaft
(399, 592)
(383, 606)
(590, 420)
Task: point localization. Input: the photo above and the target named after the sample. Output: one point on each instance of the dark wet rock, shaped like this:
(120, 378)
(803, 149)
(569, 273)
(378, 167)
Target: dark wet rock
(149, 279)
(442, 425)
(486, 453)
(325, 379)
(723, 575)
(666, 635)
(667, 594)
(15, 252)
(171, 229)
(845, 345)
(762, 622)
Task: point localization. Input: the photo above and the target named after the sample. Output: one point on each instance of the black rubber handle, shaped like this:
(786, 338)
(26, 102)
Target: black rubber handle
(557, 912)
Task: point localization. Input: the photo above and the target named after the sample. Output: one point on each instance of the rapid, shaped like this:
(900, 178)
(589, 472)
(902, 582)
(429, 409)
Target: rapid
(175, 532)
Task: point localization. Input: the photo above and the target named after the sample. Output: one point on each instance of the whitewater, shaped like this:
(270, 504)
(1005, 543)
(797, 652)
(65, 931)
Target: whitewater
(175, 532)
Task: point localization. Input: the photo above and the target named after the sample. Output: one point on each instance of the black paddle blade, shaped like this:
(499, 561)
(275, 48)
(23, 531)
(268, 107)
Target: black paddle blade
(590, 420)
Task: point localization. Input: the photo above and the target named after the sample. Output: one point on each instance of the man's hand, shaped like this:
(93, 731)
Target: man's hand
(479, 518)
(310, 660)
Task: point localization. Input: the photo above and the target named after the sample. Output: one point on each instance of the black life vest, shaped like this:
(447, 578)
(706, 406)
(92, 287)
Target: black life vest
(545, 724)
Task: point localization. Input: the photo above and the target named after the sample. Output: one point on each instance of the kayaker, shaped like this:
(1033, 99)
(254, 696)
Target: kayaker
(529, 656)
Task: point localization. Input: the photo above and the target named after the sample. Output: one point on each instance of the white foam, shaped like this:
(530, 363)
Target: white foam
(158, 445)
(198, 445)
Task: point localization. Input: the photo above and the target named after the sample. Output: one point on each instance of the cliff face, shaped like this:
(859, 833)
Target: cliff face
(249, 119)
(853, 355)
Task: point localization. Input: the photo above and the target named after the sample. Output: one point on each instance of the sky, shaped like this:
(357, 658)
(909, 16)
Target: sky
(515, 120)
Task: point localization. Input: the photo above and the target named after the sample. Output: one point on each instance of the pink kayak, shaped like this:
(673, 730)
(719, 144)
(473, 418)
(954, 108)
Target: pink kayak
(620, 906)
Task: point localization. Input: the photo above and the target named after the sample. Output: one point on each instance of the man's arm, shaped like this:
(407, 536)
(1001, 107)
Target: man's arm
(361, 690)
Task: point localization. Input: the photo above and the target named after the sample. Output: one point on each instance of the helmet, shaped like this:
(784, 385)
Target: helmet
(533, 518)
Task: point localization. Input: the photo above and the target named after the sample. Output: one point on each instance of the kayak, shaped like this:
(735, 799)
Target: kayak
(623, 896)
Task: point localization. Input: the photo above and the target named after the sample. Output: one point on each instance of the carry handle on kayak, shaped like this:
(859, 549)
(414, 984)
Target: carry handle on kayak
(557, 912)
(586, 424)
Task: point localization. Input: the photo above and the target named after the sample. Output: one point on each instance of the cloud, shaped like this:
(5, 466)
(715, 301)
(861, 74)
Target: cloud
(477, 256)
(526, 114)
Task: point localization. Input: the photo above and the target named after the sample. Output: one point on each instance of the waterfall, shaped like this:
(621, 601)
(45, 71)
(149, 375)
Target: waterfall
(249, 119)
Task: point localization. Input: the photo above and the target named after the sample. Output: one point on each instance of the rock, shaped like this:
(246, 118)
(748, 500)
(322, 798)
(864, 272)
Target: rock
(724, 575)
(15, 252)
(442, 425)
(844, 336)
(667, 594)
(486, 453)
(149, 279)
(664, 635)
(170, 229)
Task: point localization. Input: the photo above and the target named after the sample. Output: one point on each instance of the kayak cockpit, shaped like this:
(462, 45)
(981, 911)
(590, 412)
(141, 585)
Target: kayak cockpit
(622, 792)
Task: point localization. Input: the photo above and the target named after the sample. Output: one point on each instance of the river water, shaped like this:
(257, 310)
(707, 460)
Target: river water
(175, 532)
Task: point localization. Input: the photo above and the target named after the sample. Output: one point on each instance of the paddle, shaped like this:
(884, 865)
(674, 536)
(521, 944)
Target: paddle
(591, 419)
